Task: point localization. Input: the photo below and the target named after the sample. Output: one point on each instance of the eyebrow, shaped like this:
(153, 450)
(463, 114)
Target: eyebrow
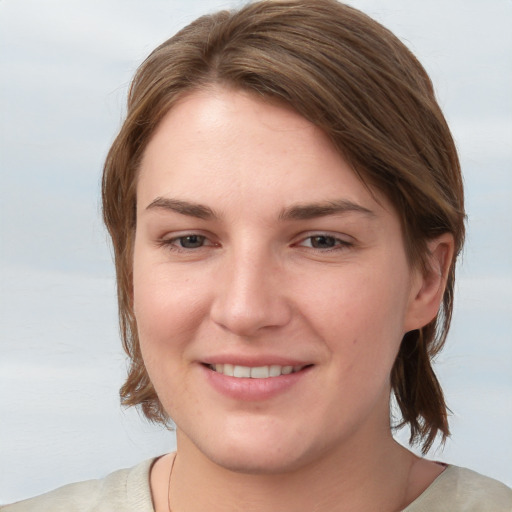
(296, 212)
(323, 209)
(184, 207)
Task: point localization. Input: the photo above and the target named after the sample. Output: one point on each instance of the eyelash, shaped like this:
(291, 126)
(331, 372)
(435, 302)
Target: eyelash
(171, 243)
(338, 243)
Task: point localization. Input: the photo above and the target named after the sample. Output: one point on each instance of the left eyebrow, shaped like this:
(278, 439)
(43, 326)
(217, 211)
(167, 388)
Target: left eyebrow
(183, 207)
(323, 209)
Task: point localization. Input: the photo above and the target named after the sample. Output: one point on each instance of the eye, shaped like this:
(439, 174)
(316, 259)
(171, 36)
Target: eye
(186, 242)
(190, 241)
(324, 242)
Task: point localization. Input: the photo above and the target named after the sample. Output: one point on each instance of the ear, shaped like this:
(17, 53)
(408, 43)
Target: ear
(428, 285)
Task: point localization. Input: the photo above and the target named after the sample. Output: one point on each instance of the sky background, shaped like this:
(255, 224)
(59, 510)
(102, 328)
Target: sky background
(65, 69)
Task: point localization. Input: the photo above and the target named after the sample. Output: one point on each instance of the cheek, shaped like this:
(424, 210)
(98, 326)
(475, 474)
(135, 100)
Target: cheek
(165, 309)
(360, 315)
(166, 312)
(362, 295)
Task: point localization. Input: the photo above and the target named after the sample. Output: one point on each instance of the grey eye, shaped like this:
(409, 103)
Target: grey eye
(323, 242)
(191, 241)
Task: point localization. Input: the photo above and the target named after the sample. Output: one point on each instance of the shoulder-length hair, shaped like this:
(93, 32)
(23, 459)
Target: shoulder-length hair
(355, 80)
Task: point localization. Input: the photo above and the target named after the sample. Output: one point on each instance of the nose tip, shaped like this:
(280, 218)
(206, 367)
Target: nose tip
(249, 300)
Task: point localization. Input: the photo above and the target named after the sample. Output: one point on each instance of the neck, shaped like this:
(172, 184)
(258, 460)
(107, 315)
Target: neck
(355, 478)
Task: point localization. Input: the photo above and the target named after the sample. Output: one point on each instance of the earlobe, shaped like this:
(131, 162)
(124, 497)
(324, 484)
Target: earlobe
(429, 286)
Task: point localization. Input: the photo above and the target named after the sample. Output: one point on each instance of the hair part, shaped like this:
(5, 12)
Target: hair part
(355, 80)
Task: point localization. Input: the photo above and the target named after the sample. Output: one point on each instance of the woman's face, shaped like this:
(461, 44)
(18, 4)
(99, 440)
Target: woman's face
(258, 252)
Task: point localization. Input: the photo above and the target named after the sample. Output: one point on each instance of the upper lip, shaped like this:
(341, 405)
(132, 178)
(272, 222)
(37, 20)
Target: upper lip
(263, 360)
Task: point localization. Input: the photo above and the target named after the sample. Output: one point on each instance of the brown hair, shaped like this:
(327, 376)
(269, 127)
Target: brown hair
(354, 79)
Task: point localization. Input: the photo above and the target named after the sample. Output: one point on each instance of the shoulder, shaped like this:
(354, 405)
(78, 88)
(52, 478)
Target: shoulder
(125, 489)
(460, 489)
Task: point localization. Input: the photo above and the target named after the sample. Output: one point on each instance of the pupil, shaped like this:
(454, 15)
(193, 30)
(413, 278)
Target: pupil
(323, 242)
(192, 241)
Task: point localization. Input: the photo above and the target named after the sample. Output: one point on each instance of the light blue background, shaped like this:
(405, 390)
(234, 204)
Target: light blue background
(64, 72)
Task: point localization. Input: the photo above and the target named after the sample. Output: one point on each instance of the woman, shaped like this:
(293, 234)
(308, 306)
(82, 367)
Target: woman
(286, 208)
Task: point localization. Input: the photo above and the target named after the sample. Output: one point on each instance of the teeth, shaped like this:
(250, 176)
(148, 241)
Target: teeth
(287, 370)
(260, 372)
(241, 371)
(254, 372)
(274, 370)
(228, 369)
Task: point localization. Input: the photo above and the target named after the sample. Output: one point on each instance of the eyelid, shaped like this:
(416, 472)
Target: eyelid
(342, 241)
(170, 240)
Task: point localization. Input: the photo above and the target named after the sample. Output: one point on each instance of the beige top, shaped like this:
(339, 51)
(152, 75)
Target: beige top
(455, 490)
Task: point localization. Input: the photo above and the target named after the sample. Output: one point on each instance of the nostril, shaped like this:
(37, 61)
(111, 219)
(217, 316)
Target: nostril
(247, 316)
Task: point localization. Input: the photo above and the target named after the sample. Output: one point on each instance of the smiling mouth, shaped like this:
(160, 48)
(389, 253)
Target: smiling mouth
(255, 372)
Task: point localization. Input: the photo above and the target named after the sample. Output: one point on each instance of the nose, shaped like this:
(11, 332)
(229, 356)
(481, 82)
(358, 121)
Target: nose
(250, 295)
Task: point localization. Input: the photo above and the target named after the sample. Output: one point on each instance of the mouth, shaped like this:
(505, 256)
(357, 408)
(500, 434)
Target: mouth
(255, 372)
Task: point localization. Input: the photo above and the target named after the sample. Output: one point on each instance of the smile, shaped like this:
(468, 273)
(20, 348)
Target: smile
(254, 372)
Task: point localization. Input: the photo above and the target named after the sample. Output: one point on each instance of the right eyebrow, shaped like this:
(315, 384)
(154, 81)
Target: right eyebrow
(197, 210)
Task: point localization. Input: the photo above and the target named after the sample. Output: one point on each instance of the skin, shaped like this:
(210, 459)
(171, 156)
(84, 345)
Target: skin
(265, 279)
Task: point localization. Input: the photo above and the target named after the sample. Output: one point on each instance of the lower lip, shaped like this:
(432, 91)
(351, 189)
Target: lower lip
(246, 389)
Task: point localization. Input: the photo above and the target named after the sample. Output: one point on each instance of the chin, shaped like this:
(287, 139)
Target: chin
(263, 451)
(257, 462)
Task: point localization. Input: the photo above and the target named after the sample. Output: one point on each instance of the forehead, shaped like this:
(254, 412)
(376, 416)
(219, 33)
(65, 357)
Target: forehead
(226, 145)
